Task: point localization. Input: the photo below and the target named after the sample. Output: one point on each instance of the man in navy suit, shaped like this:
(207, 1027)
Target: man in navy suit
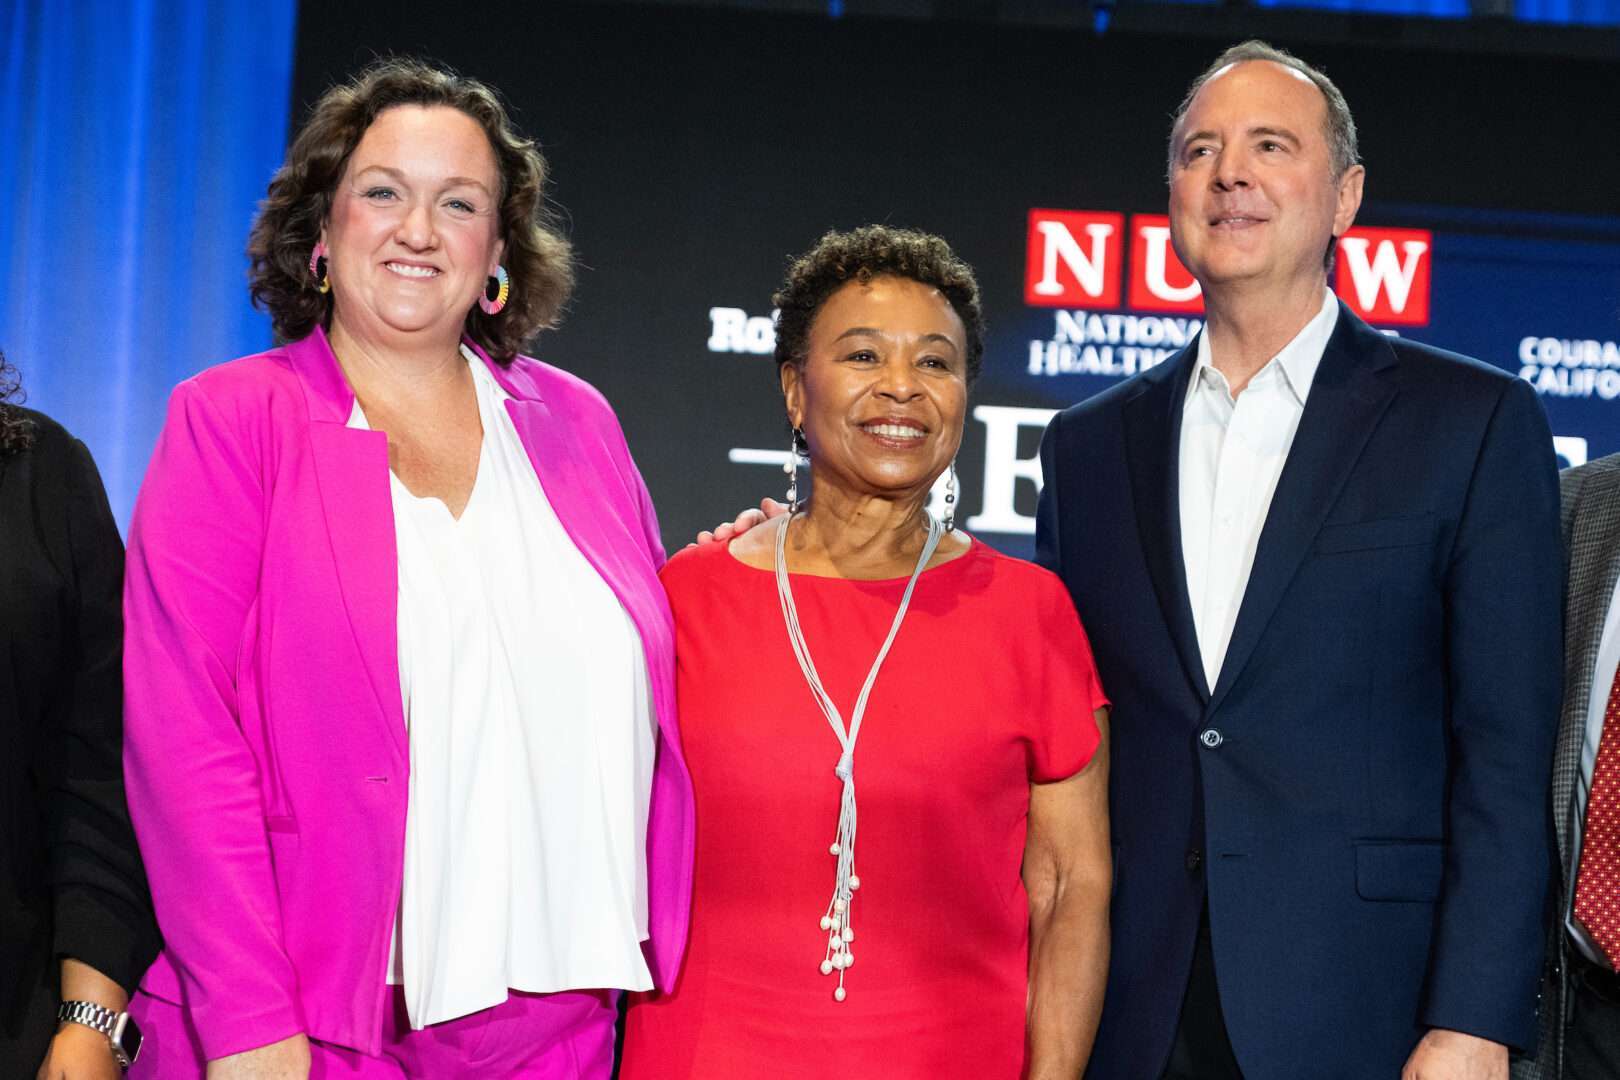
(1320, 571)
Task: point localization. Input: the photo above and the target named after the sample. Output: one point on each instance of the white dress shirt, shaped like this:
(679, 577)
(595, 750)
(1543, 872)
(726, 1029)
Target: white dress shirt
(1232, 452)
(1608, 659)
(531, 747)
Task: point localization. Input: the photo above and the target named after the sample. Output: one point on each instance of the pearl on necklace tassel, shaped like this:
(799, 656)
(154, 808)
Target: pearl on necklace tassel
(826, 922)
(854, 882)
(838, 994)
(839, 905)
(826, 967)
(834, 848)
(849, 933)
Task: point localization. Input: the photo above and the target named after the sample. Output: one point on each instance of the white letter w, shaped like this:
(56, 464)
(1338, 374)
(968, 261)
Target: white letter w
(1383, 272)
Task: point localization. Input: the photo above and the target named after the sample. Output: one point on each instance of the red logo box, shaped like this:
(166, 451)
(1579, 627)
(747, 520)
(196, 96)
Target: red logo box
(1158, 280)
(1383, 275)
(1072, 259)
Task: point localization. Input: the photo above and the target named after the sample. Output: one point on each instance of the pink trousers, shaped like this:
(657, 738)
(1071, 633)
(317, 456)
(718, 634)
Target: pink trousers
(566, 1036)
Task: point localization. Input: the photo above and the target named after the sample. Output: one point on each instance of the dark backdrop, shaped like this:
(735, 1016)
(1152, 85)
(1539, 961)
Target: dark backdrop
(694, 151)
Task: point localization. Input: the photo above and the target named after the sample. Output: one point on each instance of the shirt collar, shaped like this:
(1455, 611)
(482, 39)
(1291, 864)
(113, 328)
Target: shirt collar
(1298, 360)
(482, 375)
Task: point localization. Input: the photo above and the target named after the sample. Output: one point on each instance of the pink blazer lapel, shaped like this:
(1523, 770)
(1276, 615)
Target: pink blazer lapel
(351, 469)
(576, 470)
(572, 482)
(575, 476)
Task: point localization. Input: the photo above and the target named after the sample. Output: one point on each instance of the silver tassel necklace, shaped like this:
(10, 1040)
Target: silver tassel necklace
(838, 921)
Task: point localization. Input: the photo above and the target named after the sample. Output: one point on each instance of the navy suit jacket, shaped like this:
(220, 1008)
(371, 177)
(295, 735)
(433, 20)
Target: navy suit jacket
(1362, 797)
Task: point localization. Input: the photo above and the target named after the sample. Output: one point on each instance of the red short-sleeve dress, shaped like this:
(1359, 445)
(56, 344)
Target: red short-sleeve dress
(989, 686)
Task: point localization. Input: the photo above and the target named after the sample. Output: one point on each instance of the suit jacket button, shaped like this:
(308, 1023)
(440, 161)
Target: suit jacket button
(1211, 738)
(1195, 859)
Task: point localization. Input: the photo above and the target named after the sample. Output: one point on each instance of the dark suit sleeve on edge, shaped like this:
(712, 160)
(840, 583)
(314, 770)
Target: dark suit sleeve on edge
(1048, 552)
(1570, 482)
(1503, 592)
(103, 911)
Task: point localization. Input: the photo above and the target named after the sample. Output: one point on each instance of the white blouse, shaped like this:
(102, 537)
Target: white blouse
(531, 744)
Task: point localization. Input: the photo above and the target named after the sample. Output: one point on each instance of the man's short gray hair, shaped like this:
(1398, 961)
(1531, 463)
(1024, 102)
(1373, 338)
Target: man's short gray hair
(1341, 126)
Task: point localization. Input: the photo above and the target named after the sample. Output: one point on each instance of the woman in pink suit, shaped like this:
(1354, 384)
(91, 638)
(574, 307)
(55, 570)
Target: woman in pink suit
(401, 746)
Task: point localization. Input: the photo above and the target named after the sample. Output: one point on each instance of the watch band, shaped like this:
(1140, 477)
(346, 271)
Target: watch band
(109, 1023)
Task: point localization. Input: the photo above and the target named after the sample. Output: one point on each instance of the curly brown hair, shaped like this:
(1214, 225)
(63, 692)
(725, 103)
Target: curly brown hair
(16, 430)
(865, 253)
(538, 258)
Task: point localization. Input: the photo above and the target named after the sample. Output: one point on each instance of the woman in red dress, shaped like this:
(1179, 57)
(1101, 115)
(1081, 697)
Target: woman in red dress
(861, 654)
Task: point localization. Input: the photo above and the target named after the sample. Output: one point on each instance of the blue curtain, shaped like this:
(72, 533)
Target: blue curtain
(1586, 12)
(136, 137)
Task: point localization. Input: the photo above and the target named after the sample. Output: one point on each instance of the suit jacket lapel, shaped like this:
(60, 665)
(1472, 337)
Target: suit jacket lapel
(1152, 422)
(1351, 390)
(1594, 567)
(351, 469)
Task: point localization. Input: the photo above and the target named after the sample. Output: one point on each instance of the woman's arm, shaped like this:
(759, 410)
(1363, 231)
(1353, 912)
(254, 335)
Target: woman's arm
(1068, 874)
(104, 931)
(79, 1052)
(103, 911)
(288, 1059)
(195, 549)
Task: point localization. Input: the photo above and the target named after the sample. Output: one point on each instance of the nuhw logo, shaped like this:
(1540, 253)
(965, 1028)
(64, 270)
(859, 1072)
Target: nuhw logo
(1076, 259)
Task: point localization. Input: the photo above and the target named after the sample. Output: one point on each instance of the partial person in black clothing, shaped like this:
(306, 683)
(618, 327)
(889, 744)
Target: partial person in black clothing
(76, 920)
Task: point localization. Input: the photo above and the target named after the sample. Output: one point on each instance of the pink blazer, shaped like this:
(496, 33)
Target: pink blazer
(266, 749)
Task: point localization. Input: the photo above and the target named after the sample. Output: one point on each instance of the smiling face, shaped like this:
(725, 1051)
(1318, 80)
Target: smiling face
(1253, 195)
(882, 392)
(413, 232)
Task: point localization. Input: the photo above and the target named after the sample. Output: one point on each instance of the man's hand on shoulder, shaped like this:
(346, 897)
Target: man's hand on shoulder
(1452, 1055)
(730, 530)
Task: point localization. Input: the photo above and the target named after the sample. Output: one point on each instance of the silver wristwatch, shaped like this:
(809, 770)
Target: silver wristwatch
(123, 1036)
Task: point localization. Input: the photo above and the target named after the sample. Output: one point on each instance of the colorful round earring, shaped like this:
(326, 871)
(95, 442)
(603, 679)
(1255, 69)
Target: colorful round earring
(496, 292)
(317, 268)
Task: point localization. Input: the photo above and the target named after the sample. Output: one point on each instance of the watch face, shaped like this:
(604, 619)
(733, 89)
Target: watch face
(127, 1041)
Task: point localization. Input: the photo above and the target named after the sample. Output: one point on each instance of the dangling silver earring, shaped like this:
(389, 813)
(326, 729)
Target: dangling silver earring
(949, 520)
(791, 467)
